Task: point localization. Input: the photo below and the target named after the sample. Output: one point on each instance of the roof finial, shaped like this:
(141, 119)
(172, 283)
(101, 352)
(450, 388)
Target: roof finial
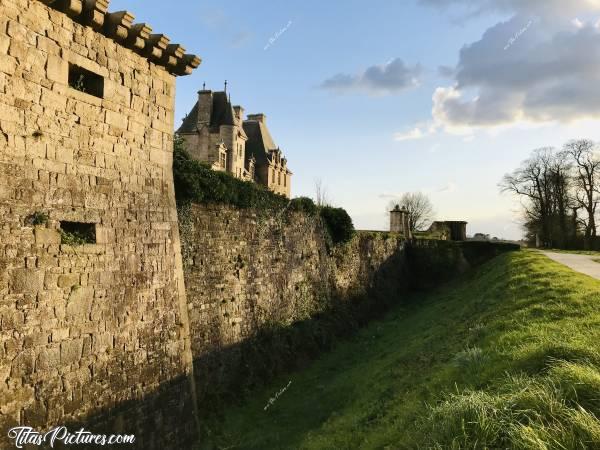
(204, 86)
(225, 85)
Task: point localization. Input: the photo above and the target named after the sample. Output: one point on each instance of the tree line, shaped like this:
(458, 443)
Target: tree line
(559, 191)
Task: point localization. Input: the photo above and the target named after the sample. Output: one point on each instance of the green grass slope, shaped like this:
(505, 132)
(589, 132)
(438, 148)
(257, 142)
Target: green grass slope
(506, 357)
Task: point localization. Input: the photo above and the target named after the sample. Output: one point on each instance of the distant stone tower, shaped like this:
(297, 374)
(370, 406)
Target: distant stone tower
(399, 222)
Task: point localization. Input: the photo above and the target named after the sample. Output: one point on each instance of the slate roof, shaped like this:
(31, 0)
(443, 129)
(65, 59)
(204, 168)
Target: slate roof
(190, 122)
(222, 111)
(222, 114)
(259, 141)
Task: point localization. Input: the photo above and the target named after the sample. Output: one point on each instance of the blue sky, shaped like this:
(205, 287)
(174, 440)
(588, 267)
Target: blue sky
(354, 94)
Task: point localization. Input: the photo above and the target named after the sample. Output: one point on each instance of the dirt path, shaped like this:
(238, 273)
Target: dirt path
(580, 263)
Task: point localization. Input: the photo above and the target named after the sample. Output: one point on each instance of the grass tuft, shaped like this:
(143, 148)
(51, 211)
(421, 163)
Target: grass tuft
(470, 358)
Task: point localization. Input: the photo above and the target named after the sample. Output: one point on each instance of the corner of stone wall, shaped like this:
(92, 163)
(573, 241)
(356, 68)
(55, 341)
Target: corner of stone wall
(185, 328)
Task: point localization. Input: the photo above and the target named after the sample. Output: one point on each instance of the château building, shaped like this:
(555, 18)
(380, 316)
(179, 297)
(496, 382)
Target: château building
(215, 132)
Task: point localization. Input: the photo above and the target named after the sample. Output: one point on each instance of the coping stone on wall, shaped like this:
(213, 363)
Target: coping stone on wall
(119, 27)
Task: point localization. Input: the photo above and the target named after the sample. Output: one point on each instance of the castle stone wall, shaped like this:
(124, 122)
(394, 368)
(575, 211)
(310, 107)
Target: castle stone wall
(99, 327)
(247, 270)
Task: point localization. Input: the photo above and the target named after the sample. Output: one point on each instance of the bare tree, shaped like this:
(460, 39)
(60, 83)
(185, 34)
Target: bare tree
(586, 180)
(321, 195)
(562, 196)
(532, 182)
(544, 185)
(420, 210)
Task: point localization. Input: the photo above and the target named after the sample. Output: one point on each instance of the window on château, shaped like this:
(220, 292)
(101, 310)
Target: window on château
(86, 81)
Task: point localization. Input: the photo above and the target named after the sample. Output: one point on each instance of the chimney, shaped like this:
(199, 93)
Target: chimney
(396, 220)
(205, 104)
(258, 117)
(239, 113)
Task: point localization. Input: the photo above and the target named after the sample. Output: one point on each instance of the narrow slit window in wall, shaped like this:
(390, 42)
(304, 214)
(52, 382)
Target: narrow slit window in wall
(77, 233)
(86, 81)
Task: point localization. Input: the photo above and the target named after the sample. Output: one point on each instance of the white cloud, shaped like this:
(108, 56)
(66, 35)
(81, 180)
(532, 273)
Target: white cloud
(549, 73)
(419, 131)
(434, 148)
(558, 8)
(215, 19)
(389, 78)
(412, 135)
(240, 39)
(450, 188)
(391, 195)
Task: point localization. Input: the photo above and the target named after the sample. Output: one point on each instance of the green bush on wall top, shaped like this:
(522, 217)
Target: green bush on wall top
(196, 182)
(304, 205)
(338, 223)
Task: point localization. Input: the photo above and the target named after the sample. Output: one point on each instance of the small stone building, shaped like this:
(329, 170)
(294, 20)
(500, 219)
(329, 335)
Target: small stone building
(442, 230)
(92, 299)
(452, 230)
(215, 132)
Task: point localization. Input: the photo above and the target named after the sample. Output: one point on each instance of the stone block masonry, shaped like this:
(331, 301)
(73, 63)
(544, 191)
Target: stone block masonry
(95, 332)
(246, 271)
(260, 283)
